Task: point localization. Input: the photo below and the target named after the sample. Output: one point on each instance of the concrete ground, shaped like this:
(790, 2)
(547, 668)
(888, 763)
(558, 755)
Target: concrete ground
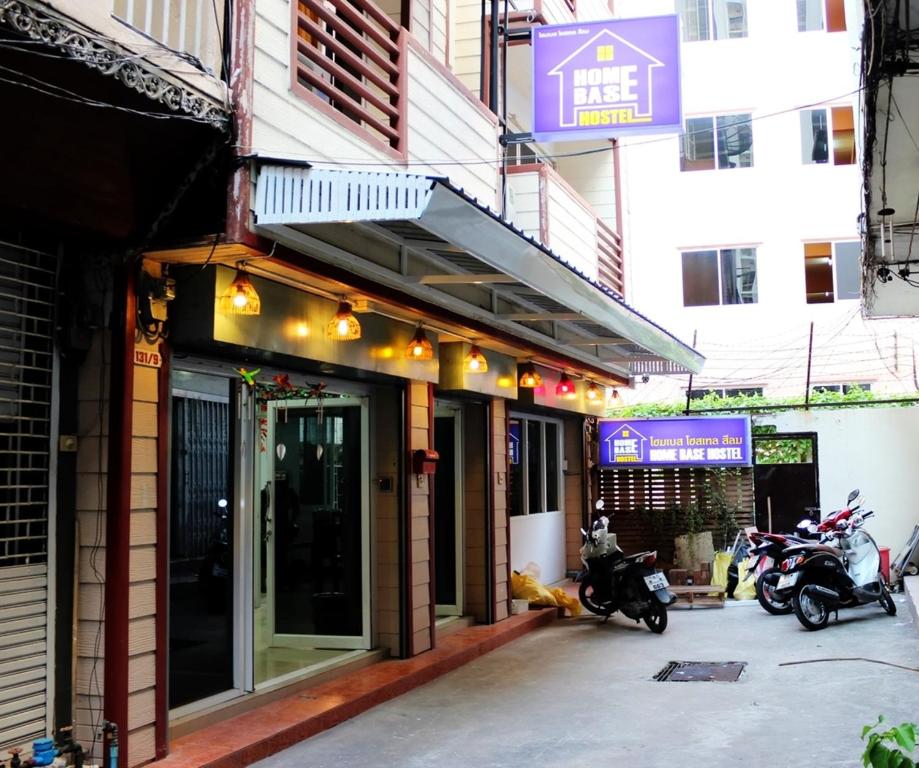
(580, 693)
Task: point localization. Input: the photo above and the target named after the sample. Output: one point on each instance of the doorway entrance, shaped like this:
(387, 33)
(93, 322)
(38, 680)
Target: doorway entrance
(312, 535)
(448, 511)
(785, 480)
(202, 561)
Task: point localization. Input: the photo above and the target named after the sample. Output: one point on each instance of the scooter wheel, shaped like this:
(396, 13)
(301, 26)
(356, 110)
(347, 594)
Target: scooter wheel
(812, 614)
(586, 596)
(656, 618)
(765, 587)
(885, 599)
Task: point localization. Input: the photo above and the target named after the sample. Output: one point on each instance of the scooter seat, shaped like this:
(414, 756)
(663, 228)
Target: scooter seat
(813, 547)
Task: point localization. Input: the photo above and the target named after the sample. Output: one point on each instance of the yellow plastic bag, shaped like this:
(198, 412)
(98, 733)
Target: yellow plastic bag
(720, 569)
(746, 588)
(525, 587)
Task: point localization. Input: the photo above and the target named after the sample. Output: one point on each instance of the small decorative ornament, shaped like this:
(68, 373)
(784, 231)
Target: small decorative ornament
(319, 451)
(249, 376)
(281, 451)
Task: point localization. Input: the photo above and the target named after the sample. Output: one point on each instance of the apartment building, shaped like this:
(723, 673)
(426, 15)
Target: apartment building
(745, 229)
(321, 366)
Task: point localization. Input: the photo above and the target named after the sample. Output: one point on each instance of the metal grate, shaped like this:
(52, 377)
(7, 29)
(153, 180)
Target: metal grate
(701, 671)
(26, 361)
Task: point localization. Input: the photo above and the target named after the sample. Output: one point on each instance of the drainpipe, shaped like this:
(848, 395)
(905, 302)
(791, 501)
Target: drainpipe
(118, 506)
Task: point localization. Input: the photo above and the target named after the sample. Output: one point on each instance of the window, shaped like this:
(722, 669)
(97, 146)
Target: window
(832, 272)
(815, 15)
(713, 19)
(818, 126)
(719, 142)
(843, 388)
(726, 276)
(698, 394)
(535, 457)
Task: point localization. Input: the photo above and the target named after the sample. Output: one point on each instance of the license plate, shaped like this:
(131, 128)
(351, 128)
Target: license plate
(656, 581)
(787, 580)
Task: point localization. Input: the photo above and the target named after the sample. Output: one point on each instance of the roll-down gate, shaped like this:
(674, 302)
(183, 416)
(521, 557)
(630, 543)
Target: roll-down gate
(27, 281)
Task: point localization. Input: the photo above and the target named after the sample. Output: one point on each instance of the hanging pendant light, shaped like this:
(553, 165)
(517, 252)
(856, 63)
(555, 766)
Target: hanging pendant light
(240, 297)
(594, 394)
(420, 347)
(475, 361)
(565, 388)
(343, 326)
(529, 377)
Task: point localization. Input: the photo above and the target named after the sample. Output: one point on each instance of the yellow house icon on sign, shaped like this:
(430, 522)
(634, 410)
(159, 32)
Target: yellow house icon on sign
(605, 53)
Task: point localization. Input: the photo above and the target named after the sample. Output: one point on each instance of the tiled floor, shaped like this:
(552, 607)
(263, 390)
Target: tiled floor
(243, 739)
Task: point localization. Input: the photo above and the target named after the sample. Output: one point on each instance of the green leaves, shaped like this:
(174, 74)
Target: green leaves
(891, 748)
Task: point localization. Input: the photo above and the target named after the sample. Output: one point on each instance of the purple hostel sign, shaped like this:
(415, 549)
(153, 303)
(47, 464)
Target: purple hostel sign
(606, 78)
(690, 441)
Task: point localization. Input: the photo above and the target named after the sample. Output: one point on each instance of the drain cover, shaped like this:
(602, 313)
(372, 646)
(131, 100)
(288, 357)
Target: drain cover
(704, 671)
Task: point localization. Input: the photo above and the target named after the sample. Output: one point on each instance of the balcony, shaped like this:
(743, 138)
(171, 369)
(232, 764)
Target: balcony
(547, 207)
(193, 27)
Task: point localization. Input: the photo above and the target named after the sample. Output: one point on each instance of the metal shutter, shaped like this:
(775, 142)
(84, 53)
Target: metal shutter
(26, 360)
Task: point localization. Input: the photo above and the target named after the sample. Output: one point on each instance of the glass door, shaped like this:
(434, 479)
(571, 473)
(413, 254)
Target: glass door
(312, 580)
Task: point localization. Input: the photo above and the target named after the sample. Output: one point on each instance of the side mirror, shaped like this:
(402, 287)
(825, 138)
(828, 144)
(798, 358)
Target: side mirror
(852, 496)
(599, 505)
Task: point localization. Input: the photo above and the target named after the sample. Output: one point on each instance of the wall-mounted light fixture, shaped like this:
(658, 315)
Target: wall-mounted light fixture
(420, 347)
(240, 297)
(565, 388)
(343, 326)
(529, 377)
(475, 361)
(594, 394)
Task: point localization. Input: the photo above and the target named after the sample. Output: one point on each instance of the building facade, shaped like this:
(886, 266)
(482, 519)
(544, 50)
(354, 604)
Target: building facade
(318, 365)
(760, 258)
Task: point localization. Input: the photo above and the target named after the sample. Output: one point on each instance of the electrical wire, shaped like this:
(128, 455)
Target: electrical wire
(253, 150)
(56, 91)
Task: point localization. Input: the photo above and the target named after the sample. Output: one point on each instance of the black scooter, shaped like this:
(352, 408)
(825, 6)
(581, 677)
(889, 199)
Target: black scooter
(612, 581)
(821, 579)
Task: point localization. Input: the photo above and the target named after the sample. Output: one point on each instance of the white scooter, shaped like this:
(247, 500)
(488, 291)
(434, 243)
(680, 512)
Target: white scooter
(842, 573)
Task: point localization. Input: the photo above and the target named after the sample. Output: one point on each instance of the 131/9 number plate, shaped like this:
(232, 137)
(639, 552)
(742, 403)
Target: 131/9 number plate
(787, 580)
(656, 581)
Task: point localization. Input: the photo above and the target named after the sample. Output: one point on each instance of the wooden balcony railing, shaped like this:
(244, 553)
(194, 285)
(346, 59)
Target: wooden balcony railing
(348, 55)
(195, 27)
(548, 207)
(609, 257)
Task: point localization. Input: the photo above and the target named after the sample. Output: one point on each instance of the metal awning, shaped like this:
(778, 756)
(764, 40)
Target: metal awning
(446, 248)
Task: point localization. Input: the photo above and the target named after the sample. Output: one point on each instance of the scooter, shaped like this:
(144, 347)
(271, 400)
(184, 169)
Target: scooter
(765, 556)
(612, 581)
(821, 578)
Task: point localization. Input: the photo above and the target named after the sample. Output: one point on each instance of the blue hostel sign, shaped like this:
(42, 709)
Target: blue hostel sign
(722, 441)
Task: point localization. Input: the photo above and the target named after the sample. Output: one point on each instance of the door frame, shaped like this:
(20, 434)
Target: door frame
(446, 409)
(812, 436)
(266, 459)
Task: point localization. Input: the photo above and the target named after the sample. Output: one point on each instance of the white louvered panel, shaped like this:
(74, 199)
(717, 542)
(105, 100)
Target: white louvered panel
(23, 660)
(289, 195)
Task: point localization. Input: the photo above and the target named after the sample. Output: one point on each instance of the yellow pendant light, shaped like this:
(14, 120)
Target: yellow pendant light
(475, 361)
(240, 297)
(420, 347)
(529, 377)
(594, 394)
(343, 326)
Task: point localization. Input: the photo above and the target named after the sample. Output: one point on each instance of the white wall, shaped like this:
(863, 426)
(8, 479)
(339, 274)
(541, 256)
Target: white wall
(539, 539)
(873, 449)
